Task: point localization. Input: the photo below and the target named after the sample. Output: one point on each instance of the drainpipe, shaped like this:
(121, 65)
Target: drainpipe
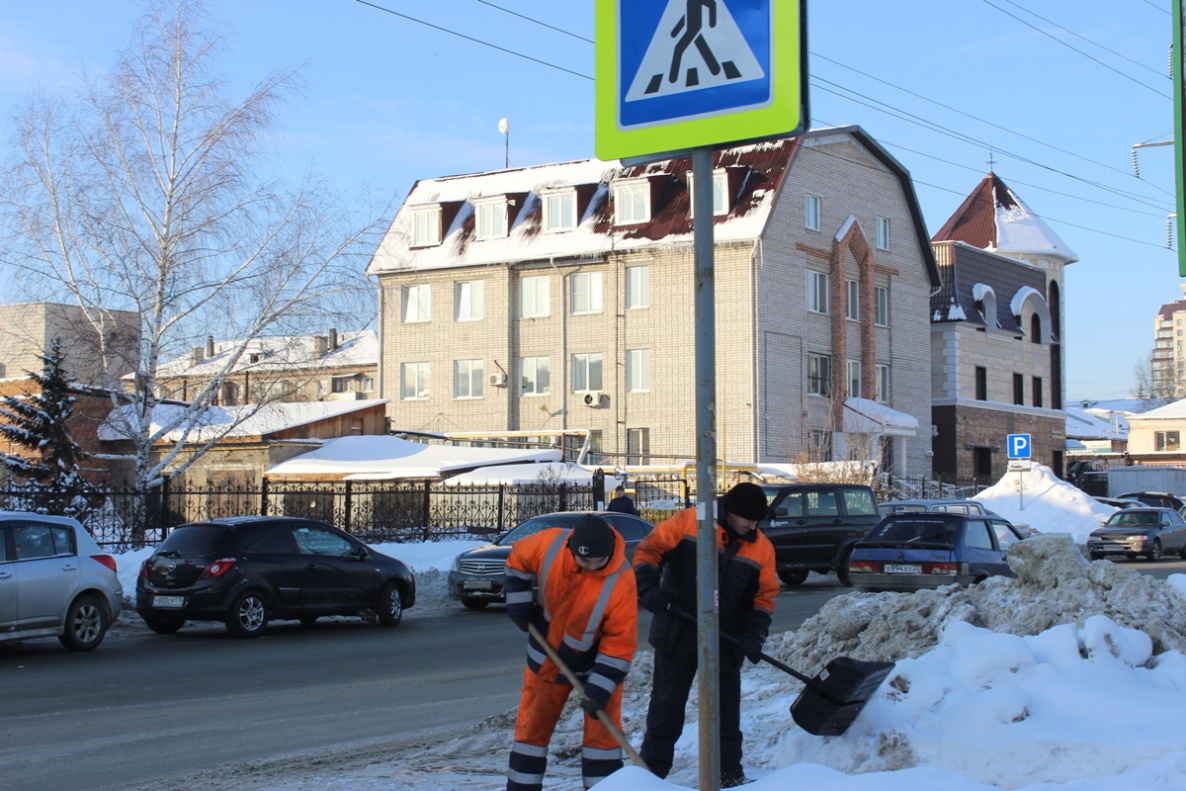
(563, 349)
(755, 266)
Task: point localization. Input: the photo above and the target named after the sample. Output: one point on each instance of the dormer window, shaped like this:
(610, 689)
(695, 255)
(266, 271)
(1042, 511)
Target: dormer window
(720, 193)
(426, 226)
(560, 210)
(491, 218)
(632, 202)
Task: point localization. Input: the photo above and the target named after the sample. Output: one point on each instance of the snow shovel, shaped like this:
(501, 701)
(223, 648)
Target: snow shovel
(832, 699)
(619, 737)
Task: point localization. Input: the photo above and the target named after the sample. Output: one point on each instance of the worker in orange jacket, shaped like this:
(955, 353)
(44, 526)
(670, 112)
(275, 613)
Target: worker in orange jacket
(577, 588)
(665, 563)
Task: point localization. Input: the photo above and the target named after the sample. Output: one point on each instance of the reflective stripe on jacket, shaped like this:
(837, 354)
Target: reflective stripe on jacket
(590, 617)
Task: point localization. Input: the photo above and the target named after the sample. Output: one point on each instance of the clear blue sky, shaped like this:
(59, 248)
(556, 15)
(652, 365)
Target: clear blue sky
(390, 101)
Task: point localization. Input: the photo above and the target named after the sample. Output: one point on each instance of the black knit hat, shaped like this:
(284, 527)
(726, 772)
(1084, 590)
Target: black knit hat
(747, 500)
(592, 537)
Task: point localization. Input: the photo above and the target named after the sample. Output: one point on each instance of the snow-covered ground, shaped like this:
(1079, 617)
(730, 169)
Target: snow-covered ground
(1071, 677)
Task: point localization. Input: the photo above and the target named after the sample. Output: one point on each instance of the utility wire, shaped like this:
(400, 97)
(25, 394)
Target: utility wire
(1081, 52)
(536, 21)
(1159, 8)
(475, 40)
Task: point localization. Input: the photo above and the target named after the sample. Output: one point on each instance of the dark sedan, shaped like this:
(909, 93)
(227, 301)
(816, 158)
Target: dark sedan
(1151, 532)
(913, 551)
(247, 571)
(477, 576)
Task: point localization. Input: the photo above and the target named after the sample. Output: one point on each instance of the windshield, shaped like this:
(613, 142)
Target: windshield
(1132, 519)
(930, 532)
(194, 539)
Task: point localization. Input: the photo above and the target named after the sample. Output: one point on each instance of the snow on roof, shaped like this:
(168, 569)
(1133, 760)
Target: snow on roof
(524, 474)
(390, 458)
(253, 420)
(1083, 424)
(863, 416)
(281, 353)
(1175, 410)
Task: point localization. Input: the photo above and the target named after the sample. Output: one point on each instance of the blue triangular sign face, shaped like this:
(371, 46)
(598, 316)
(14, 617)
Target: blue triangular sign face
(697, 45)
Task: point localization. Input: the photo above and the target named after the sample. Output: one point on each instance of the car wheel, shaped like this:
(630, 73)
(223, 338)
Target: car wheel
(474, 604)
(163, 625)
(1155, 551)
(792, 577)
(842, 569)
(248, 616)
(1130, 555)
(86, 623)
(391, 607)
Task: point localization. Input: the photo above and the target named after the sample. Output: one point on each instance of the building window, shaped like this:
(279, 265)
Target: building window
(817, 291)
(632, 202)
(852, 307)
(354, 383)
(491, 219)
(819, 374)
(533, 293)
(811, 213)
(535, 376)
(720, 193)
(596, 446)
(881, 306)
(638, 446)
(417, 305)
(883, 228)
(1018, 389)
(821, 446)
(883, 383)
(1166, 440)
(560, 210)
(638, 370)
(854, 378)
(413, 381)
(467, 378)
(426, 226)
(586, 292)
(1036, 328)
(470, 298)
(981, 383)
(1037, 391)
(586, 372)
(638, 287)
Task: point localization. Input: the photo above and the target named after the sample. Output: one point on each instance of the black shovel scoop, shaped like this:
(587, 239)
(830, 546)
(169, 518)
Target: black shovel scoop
(831, 700)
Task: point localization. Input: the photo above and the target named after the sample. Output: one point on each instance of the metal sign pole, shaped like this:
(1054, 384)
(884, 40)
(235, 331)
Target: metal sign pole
(706, 454)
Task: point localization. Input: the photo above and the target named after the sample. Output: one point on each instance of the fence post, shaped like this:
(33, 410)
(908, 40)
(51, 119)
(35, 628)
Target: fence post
(165, 517)
(427, 506)
(263, 497)
(563, 497)
(598, 489)
(501, 492)
(349, 498)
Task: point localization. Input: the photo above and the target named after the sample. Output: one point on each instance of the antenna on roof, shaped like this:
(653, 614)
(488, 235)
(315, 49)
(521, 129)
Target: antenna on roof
(504, 128)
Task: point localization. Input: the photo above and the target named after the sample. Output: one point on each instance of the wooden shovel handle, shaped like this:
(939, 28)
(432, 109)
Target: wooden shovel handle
(580, 688)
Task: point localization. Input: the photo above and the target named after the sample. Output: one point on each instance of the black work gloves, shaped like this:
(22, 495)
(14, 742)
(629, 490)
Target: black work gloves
(591, 706)
(656, 601)
(752, 648)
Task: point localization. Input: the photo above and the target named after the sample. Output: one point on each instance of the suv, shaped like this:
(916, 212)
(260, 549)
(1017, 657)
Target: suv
(814, 525)
(245, 571)
(55, 582)
(1155, 499)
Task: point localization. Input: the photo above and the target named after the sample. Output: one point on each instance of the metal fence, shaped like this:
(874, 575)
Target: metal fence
(384, 511)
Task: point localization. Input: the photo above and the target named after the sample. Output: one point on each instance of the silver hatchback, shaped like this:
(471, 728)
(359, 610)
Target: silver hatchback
(55, 581)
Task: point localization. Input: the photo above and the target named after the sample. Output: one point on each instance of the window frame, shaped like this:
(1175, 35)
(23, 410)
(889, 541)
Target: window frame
(476, 295)
(852, 299)
(539, 283)
(1167, 441)
(486, 212)
(591, 290)
(883, 233)
(426, 226)
(638, 295)
(817, 292)
(587, 365)
(884, 382)
(533, 362)
(638, 370)
(720, 194)
(423, 299)
(881, 306)
(981, 385)
(850, 366)
(475, 375)
(813, 209)
(819, 384)
(567, 199)
(639, 191)
(420, 369)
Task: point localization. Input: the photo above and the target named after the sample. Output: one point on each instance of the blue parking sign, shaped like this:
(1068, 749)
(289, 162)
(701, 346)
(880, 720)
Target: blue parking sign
(1019, 446)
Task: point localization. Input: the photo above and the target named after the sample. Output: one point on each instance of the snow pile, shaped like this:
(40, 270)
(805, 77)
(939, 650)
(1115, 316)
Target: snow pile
(1045, 503)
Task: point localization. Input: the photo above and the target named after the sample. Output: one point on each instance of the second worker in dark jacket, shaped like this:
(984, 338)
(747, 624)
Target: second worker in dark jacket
(665, 567)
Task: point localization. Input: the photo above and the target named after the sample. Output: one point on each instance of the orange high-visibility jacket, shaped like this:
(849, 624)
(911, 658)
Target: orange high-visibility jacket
(590, 617)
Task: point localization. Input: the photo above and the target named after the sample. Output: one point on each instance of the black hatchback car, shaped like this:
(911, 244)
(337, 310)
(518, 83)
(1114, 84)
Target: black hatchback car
(246, 571)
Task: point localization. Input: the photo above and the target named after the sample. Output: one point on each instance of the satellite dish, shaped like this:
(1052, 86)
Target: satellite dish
(503, 126)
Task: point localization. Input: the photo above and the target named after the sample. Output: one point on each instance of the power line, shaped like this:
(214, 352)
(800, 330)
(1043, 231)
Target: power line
(536, 21)
(1075, 49)
(1159, 8)
(475, 40)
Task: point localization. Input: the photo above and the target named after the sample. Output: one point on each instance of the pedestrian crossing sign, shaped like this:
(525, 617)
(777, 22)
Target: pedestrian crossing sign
(679, 74)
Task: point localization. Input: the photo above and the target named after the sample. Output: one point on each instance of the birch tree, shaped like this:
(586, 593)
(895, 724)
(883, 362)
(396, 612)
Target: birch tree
(143, 189)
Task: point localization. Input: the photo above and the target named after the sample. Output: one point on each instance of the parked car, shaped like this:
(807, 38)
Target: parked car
(913, 551)
(248, 571)
(973, 507)
(55, 581)
(1117, 502)
(1151, 532)
(1156, 499)
(813, 526)
(477, 576)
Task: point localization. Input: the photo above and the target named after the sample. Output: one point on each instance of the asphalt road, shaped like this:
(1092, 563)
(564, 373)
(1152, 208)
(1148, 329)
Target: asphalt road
(146, 707)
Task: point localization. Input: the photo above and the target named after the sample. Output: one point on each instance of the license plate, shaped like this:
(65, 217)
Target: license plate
(903, 568)
(478, 585)
(172, 602)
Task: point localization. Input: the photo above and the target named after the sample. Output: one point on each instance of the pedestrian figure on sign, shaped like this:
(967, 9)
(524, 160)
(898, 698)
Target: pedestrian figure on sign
(691, 23)
(577, 589)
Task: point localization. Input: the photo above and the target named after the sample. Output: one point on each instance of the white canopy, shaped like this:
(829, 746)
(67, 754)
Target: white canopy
(390, 458)
(524, 474)
(862, 416)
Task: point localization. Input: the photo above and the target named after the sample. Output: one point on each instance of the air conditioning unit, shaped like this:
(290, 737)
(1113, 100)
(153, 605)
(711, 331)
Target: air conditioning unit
(498, 380)
(595, 398)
